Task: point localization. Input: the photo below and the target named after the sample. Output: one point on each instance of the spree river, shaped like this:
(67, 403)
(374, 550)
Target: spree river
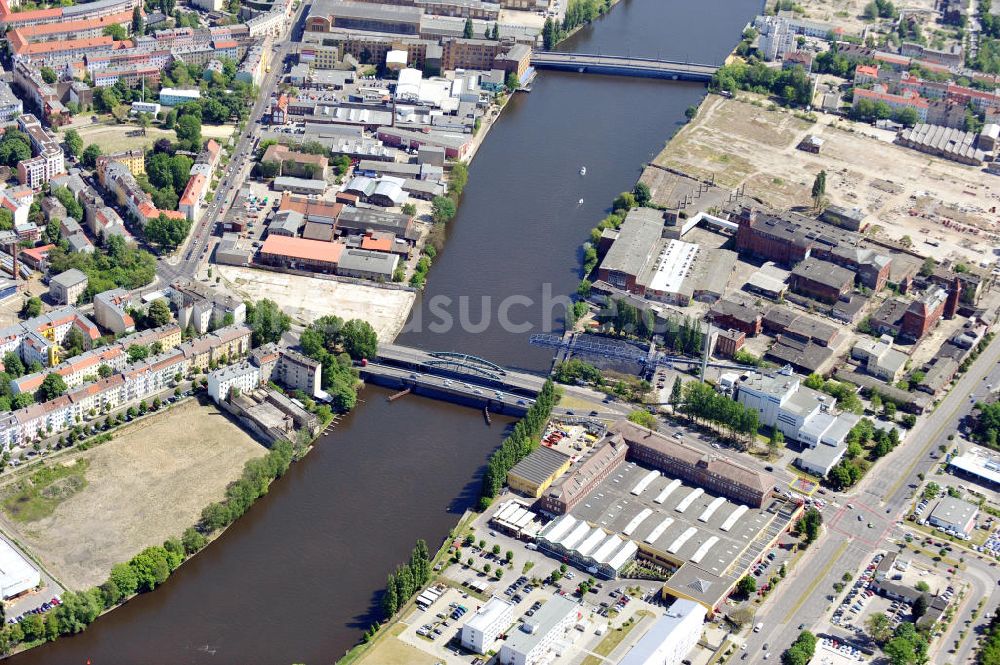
(296, 579)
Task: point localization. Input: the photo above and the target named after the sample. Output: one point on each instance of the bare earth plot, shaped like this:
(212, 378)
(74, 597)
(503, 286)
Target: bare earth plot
(848, 14)
(306, 299)
(904, 192)
(147, 484)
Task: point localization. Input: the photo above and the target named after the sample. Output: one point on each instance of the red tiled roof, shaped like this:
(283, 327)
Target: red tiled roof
(301, 248)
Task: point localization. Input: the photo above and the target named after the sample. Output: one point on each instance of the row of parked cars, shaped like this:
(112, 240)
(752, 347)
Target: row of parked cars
(845, 649)
(41, 609)
(854, 603)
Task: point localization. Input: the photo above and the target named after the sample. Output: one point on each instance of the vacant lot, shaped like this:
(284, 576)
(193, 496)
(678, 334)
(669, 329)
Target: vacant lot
(115, 138)
(306, 299)
(904, 192)
(849, 14)
(149, 483)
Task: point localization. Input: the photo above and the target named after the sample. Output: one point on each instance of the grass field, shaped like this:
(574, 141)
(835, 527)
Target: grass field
(115, 138)
(150, 482)
(38, 495)
(390, 651)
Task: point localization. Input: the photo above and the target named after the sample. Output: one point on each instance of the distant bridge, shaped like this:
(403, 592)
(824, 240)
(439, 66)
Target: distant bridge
(623, 66)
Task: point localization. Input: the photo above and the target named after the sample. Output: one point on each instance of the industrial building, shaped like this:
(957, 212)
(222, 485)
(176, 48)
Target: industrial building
(644, 262)
(533, 474)
(671, 638)
(482, 629)
(977, 466)
(637, 512)
(800, 413)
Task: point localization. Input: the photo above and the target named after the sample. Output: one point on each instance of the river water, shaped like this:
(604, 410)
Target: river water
(297, 578)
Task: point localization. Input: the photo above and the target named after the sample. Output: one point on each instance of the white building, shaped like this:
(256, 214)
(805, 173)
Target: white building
(800, 413)
(538, 634)
(16, 574)
(244, 376)
(671, 638)
(954, 515)
(776, 37)
(110, 310)
(481, 631)
(48, 161)
(879, 358)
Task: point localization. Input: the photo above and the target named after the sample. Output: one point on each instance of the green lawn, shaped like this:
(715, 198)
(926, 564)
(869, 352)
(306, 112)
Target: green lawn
(38, 495)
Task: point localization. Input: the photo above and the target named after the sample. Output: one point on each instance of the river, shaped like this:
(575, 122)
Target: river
(296, 579)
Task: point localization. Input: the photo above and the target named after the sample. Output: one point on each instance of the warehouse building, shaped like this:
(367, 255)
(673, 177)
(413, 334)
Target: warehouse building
(301, 254)
(533, 475)
(709, 542)
(17, 576)
(714, 473)
(598, 464)
(671, 638)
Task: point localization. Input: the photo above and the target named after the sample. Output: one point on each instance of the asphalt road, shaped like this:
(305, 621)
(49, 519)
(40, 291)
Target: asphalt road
(880, 498)
(186, 262)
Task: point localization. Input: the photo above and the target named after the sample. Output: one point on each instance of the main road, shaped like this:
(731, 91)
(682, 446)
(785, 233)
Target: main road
(186, 262)
(881, 498)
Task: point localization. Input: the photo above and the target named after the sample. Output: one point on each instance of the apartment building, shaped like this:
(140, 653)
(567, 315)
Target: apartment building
(141, 380)
(110, 310)
(243, 377)
(48, 161)
(40, 338)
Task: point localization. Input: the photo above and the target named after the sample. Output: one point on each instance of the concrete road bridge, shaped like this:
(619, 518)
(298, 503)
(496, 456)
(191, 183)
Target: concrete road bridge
(623, 66)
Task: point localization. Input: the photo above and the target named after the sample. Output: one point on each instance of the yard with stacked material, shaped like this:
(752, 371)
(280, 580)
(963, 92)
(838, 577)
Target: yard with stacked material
(85, 511)
(749, 142)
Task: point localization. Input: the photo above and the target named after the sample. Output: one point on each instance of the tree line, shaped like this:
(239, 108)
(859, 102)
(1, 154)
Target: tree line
(624, 319)
(406, 580)
(793, 86)
(252, 484)
(111, 266)
(865, 445)
(700, 401)
(519, 444)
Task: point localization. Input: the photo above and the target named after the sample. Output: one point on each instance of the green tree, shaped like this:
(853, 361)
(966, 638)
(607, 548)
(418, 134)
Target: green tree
(52, 386)
(819, 187)
(138, 26)
(73, 142)
(125, 579)
(809, 525)
(32, 307)
(48, 75)
(675, 392)
(137, 352)
(747, 585)
(192, 540)
(116, 32)
(267, 321)
(12, 365)
(878, 627)
(624, 201)
(359, 339)
(643, 418)
(443, 209)
(188, 130)
(467, 31)
(90, 155)
(512, 82)
(642, 194)
(159, 313)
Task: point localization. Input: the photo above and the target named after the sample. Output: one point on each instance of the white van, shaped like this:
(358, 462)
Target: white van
(757, 628)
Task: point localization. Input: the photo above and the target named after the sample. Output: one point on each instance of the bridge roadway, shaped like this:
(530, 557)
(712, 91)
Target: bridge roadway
(477, 382)
(623, 66)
